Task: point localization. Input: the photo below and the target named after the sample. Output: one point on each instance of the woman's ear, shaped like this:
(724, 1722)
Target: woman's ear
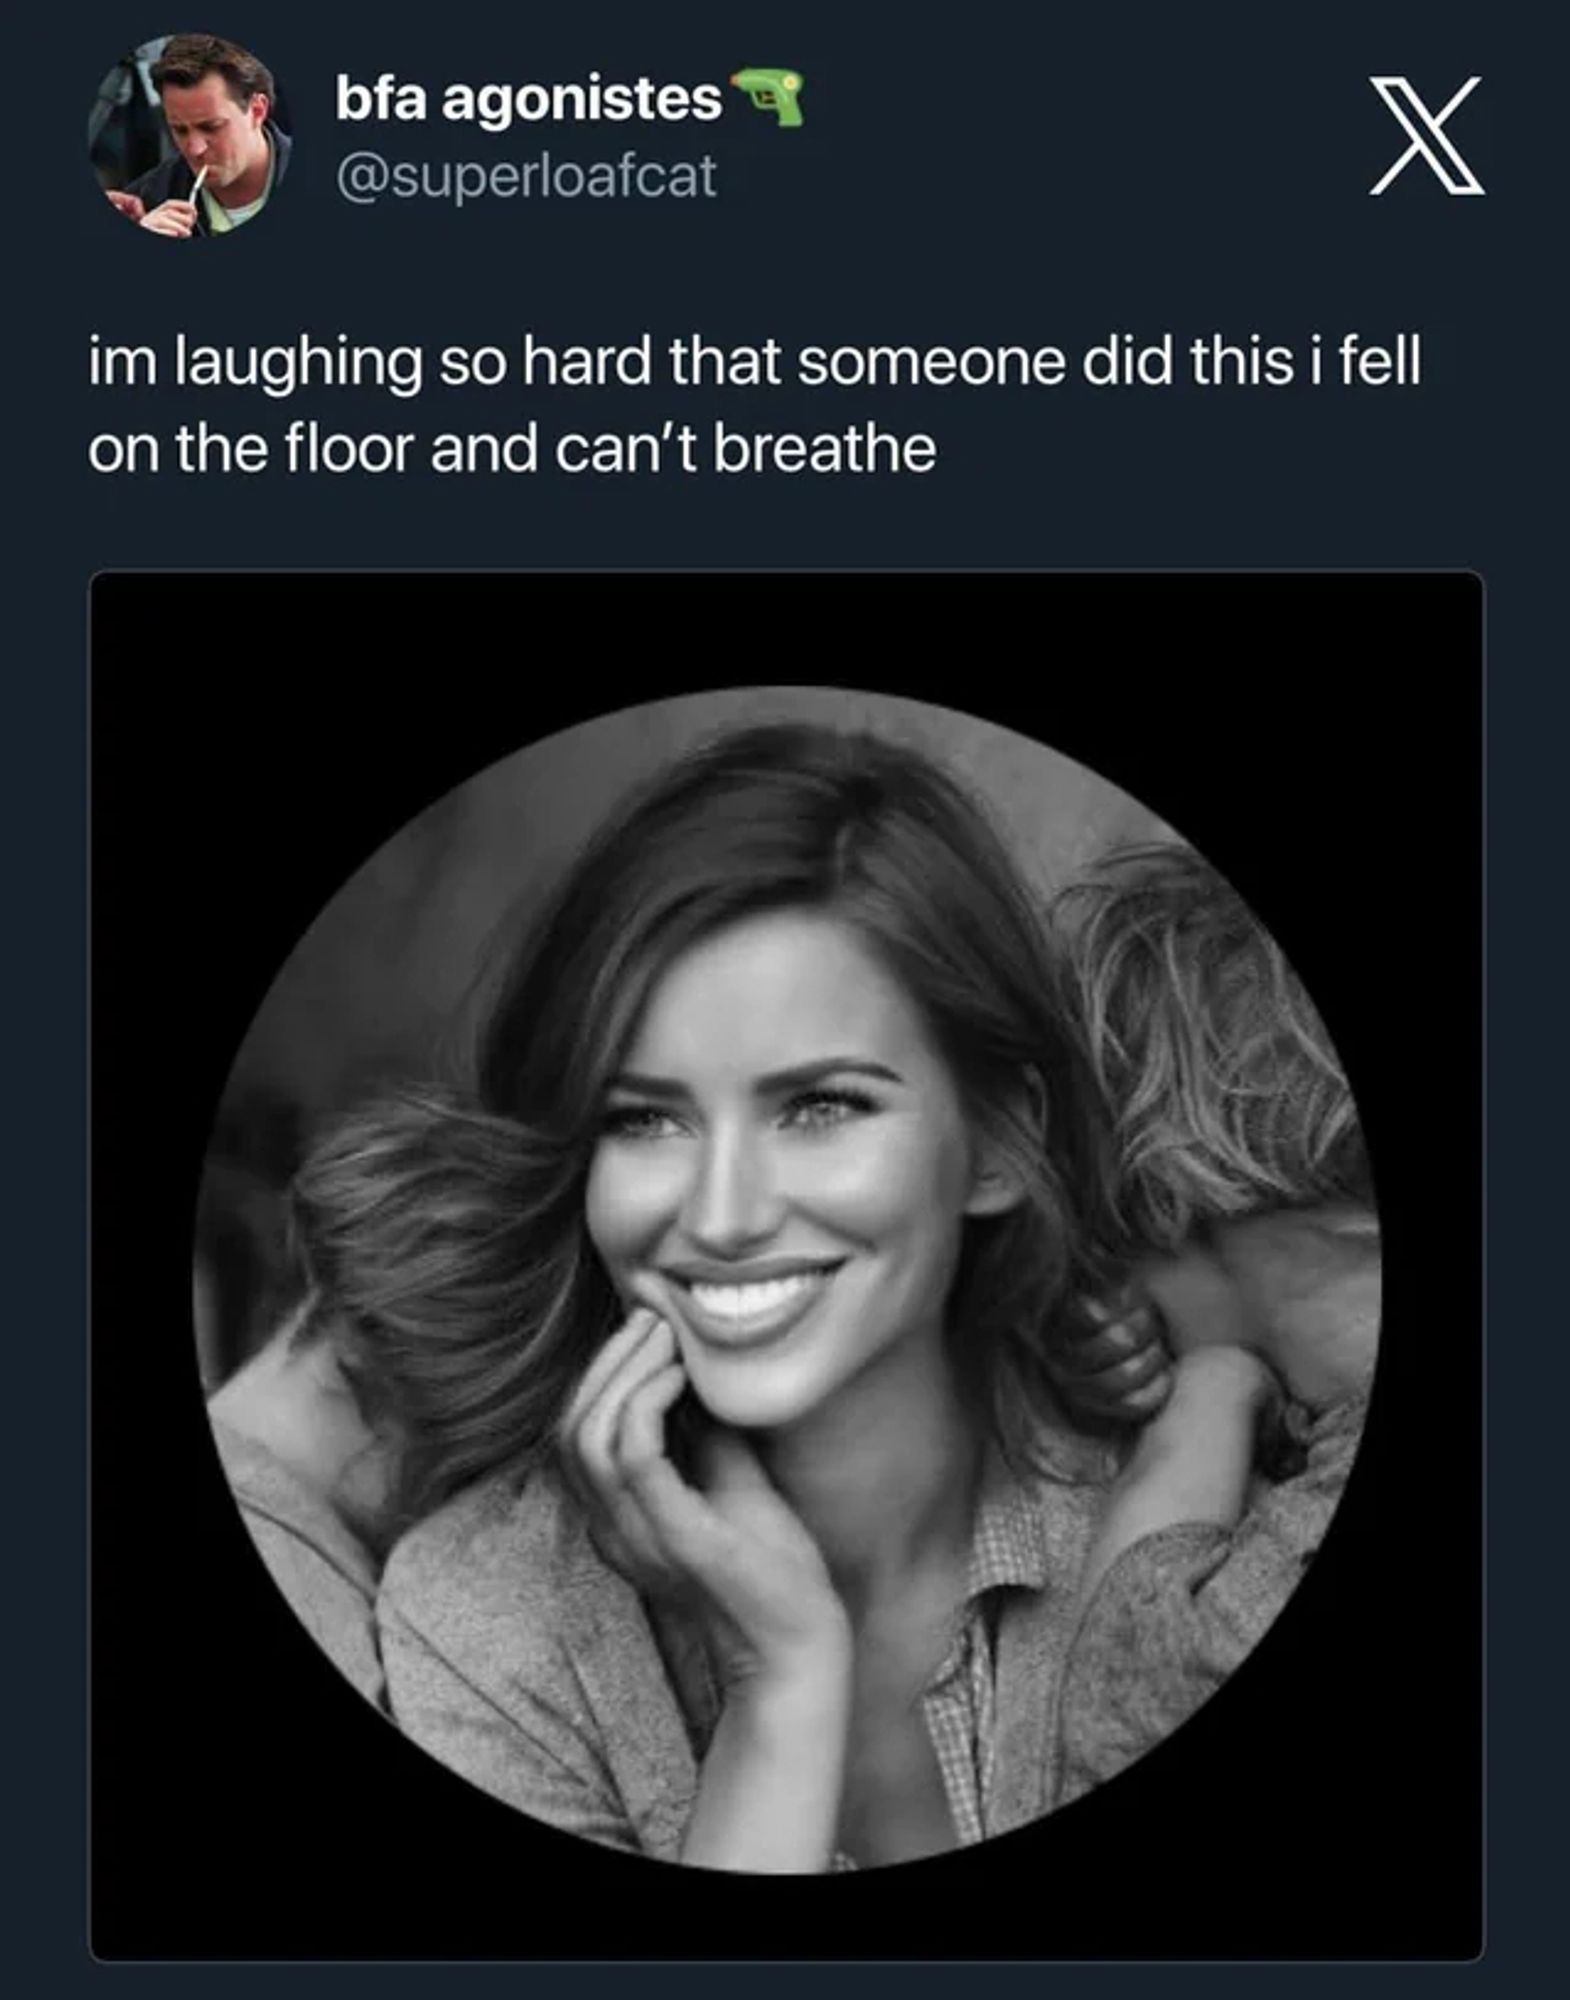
(995, 1187)
(998, 1182)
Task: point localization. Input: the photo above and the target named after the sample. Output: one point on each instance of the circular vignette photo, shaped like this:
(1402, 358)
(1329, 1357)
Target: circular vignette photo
(787, 1280)
(189, 136)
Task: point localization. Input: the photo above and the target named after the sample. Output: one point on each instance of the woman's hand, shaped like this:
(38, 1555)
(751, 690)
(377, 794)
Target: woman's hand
(730, 1549)
(734, 1553)
(1108, 1358)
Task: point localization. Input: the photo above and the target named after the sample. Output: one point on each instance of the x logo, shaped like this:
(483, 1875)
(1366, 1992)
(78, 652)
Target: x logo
(1453, 172)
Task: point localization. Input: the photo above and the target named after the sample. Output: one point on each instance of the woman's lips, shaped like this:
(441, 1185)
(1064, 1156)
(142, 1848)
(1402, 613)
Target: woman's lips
(745, 1315)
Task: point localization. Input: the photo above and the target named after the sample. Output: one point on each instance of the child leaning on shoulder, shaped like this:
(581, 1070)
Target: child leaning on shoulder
(1242, 1229)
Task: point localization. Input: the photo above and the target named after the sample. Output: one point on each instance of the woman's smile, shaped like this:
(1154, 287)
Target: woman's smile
(742, 1313)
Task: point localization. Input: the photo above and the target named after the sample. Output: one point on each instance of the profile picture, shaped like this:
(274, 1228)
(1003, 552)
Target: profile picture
(787, 1281)
(189, 136)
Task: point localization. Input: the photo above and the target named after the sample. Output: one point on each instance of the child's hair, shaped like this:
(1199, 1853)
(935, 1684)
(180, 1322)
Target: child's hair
(246, 1280)
(1222, 1092)
(411, 1223)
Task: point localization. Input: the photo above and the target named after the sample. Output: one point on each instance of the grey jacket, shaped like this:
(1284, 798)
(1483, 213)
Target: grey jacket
(518, 1658)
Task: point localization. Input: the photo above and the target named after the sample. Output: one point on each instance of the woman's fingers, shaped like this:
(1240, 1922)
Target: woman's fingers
(693, 1533)
(637, 1381)
(688, 1532)
(601, 1422)
(622, 1344)
(639, 1441)
(640, 1438)
(641, 1351)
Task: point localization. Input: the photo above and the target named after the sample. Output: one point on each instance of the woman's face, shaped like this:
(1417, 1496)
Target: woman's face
(784, 1168)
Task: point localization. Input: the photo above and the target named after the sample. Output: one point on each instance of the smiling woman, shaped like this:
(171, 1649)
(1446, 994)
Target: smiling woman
(717, 1315)
(806, 1110)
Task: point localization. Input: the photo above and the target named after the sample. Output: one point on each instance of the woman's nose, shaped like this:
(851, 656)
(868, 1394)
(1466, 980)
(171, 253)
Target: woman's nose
(732, 1202)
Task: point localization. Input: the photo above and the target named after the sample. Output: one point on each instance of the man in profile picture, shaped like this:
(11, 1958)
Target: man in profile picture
(217, 101)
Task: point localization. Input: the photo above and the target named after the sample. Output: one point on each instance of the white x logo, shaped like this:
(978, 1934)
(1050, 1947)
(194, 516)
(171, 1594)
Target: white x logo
(1453, 172)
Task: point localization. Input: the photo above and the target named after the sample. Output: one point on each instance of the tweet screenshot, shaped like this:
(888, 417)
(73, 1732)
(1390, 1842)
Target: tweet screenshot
(771, 739)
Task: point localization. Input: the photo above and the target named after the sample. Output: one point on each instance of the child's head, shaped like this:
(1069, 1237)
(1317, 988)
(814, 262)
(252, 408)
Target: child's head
(1223, 1093)
(412, 1220)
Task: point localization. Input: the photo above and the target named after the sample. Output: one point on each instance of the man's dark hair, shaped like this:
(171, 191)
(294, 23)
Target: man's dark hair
(188, 58)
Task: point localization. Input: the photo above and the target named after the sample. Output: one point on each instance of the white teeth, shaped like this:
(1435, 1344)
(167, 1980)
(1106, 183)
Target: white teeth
(740, 1302)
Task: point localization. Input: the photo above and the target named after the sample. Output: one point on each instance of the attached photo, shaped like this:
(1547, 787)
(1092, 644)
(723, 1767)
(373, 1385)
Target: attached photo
(787, 1281)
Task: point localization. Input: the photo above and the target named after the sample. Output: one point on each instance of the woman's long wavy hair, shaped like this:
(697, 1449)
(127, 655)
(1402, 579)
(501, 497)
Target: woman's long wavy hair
(1221, 1090)
(448, 1230)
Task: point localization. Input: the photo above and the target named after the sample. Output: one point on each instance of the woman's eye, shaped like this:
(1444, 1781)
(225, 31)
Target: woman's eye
(816, 1109)
(636, 1121)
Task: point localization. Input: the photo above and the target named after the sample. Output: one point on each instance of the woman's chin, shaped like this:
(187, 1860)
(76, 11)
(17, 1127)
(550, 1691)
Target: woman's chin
(746, 1398)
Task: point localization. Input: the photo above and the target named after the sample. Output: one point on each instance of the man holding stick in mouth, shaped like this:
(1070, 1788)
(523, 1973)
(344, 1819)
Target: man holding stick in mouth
(218, 101)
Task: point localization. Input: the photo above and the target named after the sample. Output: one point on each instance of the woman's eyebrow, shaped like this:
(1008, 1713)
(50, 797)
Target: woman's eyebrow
(776, 1083)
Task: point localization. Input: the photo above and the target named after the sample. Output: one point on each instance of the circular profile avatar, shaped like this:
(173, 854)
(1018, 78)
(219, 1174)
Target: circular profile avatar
(853, 1348)
(186, 136)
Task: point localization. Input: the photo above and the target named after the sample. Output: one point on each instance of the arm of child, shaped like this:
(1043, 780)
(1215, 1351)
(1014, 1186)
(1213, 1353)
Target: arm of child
(1191, 1463)
(1181, 1603)
(1182, 1609)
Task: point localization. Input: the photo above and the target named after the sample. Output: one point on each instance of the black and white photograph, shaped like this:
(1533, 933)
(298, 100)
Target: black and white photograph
(814, 1364)
(785, 1280)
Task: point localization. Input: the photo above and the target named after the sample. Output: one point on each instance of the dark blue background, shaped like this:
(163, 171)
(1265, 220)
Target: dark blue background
(991, 176)
(1004, 176)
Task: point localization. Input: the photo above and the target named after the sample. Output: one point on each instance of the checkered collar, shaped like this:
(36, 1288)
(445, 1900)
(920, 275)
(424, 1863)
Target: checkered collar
(1008, 1541)
(1012, 1541)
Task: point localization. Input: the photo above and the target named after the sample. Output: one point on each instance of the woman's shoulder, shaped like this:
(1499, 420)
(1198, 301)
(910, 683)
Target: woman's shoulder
(499, 1553)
